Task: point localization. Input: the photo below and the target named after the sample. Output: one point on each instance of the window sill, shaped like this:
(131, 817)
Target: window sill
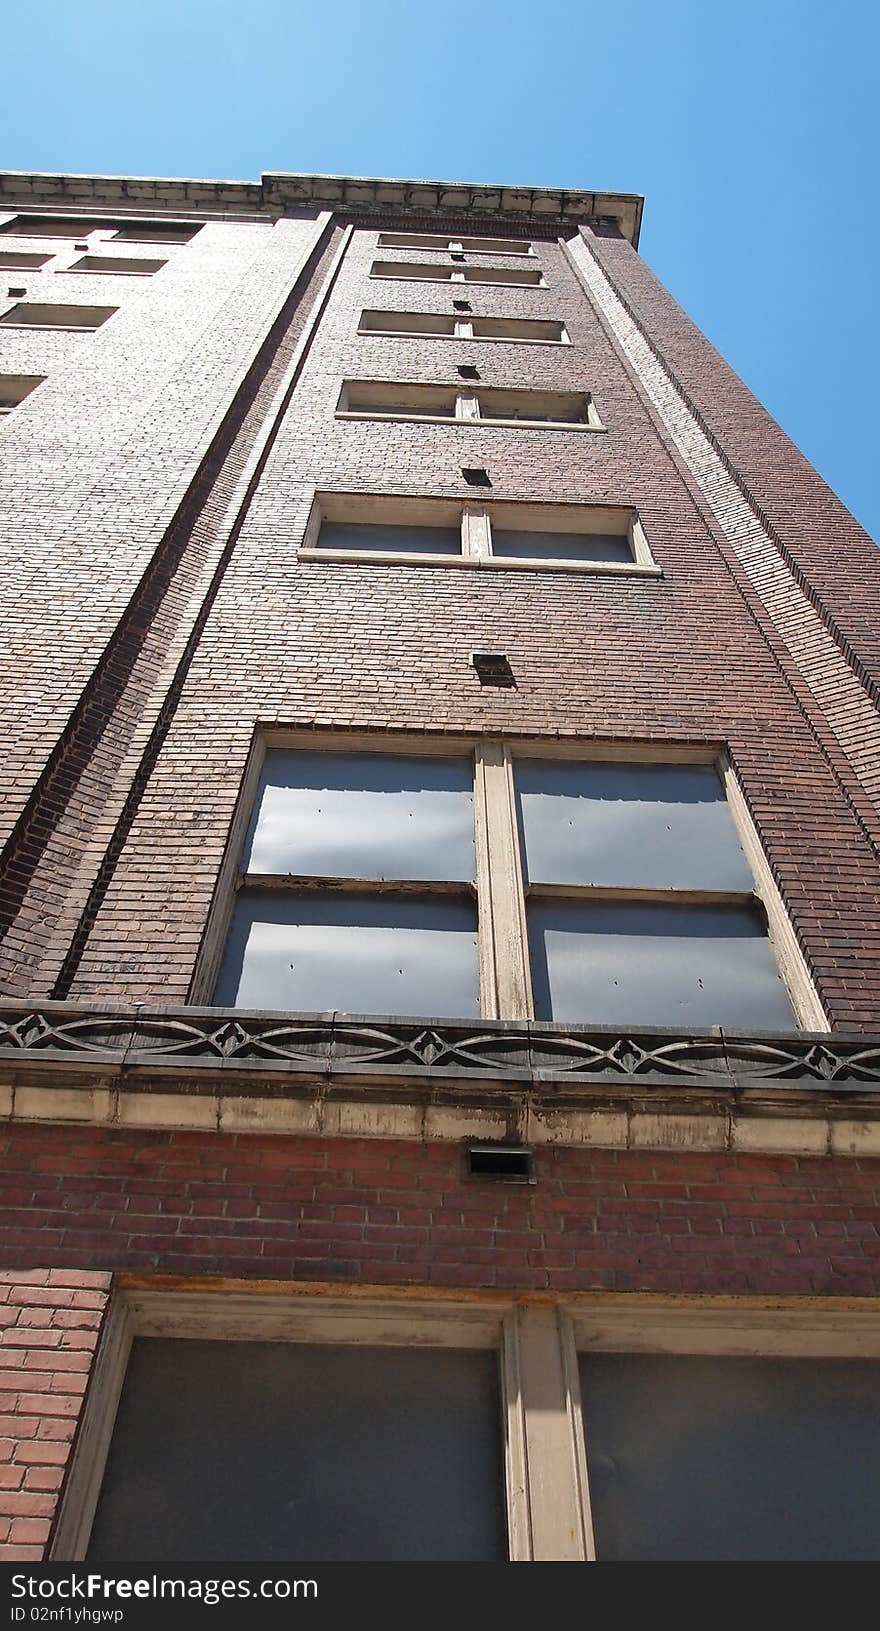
(446, 419)
(456, 283)
(466, 339)
(350, 557)
(89, 271)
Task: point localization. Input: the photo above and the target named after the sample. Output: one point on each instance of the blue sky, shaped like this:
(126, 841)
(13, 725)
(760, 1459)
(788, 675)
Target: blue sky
(751, 130)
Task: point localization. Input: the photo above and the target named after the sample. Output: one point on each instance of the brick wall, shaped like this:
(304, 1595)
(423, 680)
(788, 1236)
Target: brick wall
(386, 1213)
(49, 1325)
(387, 647)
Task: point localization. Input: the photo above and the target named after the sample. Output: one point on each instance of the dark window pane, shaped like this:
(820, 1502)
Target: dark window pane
(348, 815)
(561, 546)
(281, 1452)
(733, 1459)
(624, 825)
(636, 964)
(304, 953)
(408, 540)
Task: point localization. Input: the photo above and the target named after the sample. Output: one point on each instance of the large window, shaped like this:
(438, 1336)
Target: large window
(498, 536)
(378, 399)
(510, 886)
(274, 1425)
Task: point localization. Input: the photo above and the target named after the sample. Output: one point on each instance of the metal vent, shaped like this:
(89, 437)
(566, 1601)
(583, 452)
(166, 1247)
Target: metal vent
(500, 1163)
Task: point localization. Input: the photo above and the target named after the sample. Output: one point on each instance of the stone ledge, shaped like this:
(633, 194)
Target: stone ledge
(337, 1075)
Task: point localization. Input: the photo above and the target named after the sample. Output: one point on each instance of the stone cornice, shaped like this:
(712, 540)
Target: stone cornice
(278, 191)
(375, 1076)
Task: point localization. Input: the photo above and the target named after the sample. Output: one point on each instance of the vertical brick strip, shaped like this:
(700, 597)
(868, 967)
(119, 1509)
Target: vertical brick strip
(50, 1321)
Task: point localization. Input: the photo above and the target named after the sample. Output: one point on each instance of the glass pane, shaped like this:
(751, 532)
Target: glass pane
(363, 815)
(288, 1452)
(404, 540)
(695, 1459)
(636, 826)
(308, 954)
(561, 546)
(684, 966)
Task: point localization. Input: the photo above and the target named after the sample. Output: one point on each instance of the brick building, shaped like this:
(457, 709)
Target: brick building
(440, 1031)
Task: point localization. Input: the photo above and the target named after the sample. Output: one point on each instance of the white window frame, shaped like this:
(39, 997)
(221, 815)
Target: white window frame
(503, 950)
(546, 1439)
(467, 405)
(476, 521)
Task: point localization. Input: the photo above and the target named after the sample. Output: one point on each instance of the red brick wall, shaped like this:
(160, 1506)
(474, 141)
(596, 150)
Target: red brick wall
(400, 1213)
(49, 1325)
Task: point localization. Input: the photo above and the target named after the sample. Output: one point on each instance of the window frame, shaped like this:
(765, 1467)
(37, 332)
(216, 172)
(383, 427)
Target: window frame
(29, 382)
(55, 328)
(476, 521)
(467, 405)
(537, 1339)
(418, 272)
(469, 244)
(463, 328)
(504, 967)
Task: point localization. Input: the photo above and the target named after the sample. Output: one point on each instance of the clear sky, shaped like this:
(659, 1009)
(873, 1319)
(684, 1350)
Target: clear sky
(750, 128)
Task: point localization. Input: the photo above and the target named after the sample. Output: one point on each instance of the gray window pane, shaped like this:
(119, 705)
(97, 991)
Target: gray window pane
(363, 815)
(303, 953)
(636, 826)
(636, 964)
(404, 540)
(732, 1459)
(561, 546)
(288, 1452)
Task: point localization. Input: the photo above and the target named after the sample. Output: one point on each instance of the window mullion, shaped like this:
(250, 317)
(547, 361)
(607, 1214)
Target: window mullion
(475, 532)
(504, 967)
(550, 1514)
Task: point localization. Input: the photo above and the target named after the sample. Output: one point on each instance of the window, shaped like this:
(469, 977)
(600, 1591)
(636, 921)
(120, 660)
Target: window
(340, 1454)
(27, 314)
(497, 536)
(722, 1435)
(116, 264)
(73, 226)
(425, 272)
(368, 399)
(15, 387)
(639, 899)
(523, 330)
(281, 1426)
(437, 240)
(22, 261)
(610, 893)
(357, 888)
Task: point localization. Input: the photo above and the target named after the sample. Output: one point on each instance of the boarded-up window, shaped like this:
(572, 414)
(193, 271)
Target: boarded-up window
(728, 1459)
(287, 1452)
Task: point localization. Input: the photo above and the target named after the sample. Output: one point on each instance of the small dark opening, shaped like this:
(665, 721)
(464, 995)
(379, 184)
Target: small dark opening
(505, 1163)
(476, 478)
(493, 668)
(456, 254)
(462, 305)
(17, 292)
(468, 371)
